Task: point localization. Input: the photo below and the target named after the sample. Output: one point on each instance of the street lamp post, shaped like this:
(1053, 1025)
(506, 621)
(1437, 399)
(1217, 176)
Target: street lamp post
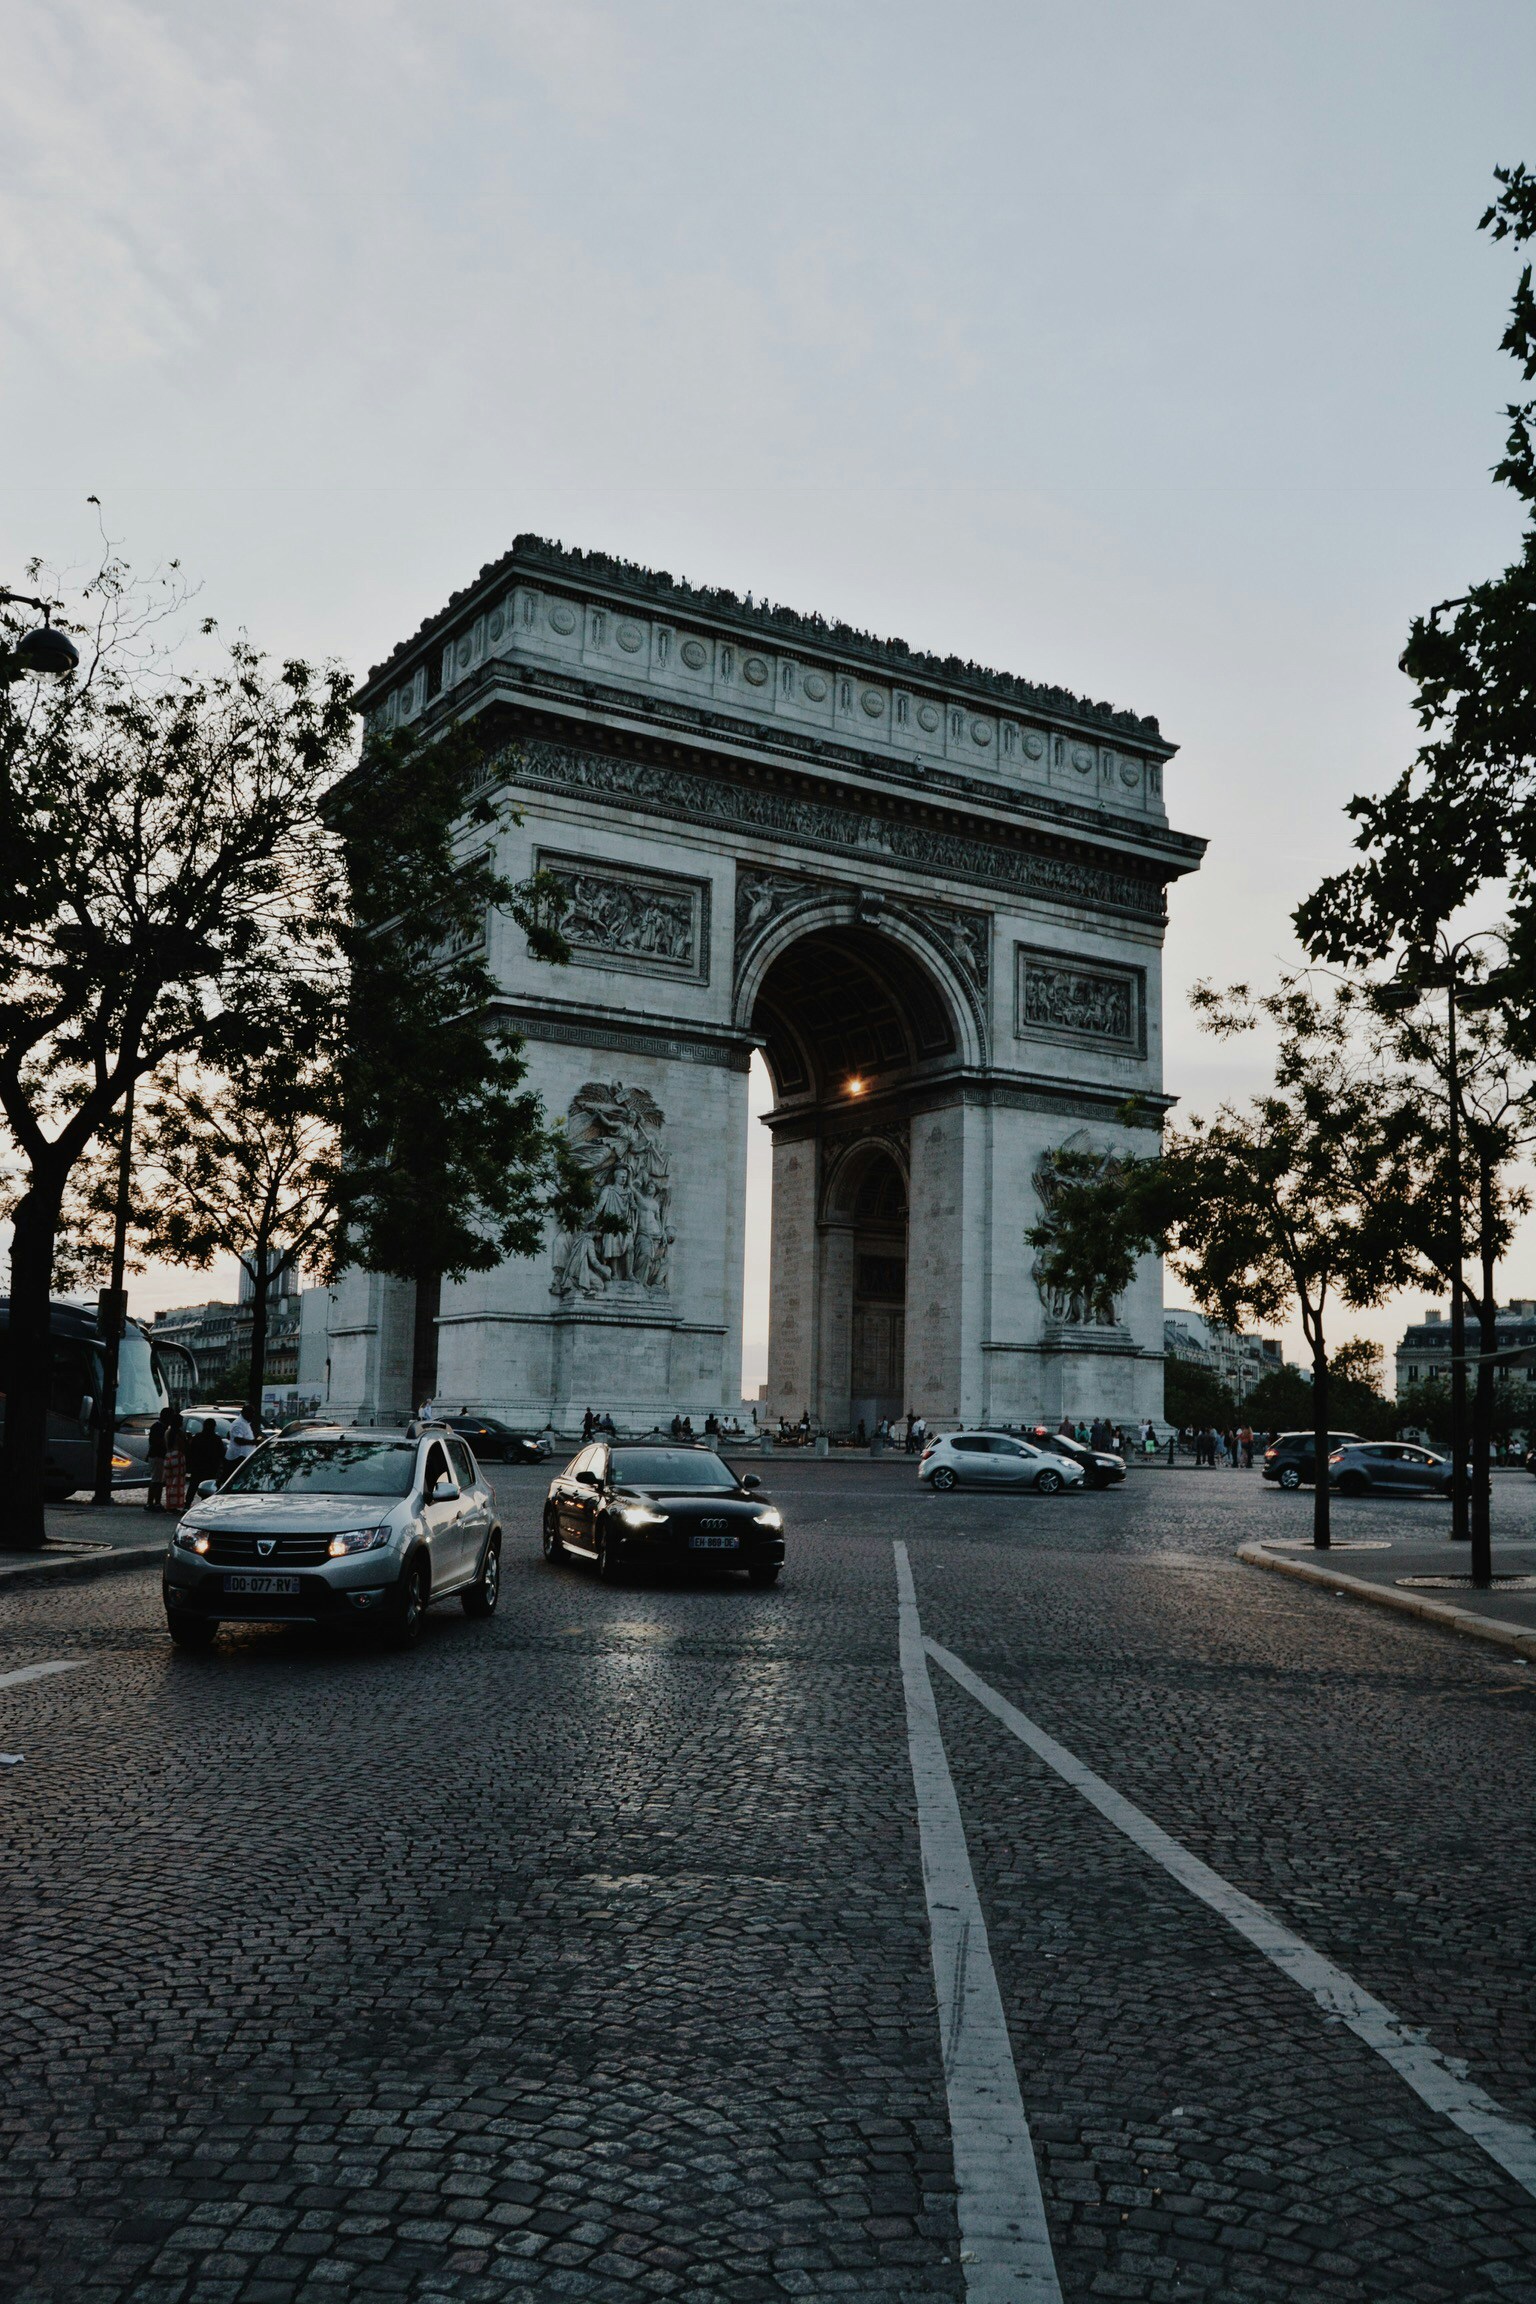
(45, 650)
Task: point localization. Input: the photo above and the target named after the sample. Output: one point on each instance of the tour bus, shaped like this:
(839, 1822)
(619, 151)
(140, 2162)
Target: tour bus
(143, 1389)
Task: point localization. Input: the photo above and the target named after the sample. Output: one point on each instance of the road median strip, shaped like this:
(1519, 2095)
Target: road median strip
(1441, 1612)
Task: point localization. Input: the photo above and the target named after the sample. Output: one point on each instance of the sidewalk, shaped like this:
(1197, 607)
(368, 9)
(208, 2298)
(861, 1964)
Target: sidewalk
(90, 1540)
(1404, 1573)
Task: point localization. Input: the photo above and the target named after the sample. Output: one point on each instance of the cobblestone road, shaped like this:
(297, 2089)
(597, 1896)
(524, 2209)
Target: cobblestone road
(586, 1954)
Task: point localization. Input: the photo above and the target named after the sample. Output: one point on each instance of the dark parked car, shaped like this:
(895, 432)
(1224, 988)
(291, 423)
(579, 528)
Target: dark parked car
(625, 1503)
(1388, 1468)
(496, 1443)
(1289, 1458)
(1101, 1466)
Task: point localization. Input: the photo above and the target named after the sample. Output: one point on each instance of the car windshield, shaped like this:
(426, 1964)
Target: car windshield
(670, 1468)
(327, 1468)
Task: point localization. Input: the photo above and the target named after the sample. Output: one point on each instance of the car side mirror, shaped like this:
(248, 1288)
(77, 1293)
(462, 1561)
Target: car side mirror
(751, 1480)
(443, 1492)
(588, 1480)
(87, 1410)
(207, 1487)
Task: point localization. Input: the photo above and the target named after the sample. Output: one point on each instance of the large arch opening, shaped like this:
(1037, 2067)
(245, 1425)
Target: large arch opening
(852, 1021)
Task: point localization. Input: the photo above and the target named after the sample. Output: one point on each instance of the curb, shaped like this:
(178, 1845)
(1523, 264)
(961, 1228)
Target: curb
(79, 1568)
(1449, 1619)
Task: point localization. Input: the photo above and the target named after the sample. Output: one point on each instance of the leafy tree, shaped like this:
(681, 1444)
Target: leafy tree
(247, 1168)
(1194, 1396)
(186, 861)
(162, 865)
(1463, 815)
(450, 1166)
(1301, 1197)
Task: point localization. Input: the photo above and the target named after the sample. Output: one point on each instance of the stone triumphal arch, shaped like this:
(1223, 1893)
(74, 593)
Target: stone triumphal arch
(931, 894)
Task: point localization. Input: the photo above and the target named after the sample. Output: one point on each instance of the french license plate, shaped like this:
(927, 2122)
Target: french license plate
(260, 1586)
(705, 1542)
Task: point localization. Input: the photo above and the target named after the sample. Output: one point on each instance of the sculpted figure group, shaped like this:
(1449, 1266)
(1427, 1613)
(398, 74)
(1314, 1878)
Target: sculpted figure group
(626, 1240)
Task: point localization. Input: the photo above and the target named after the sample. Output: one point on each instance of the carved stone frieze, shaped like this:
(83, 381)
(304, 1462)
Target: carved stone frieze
(624, 1247)
(1085, 1001)
(829, 825)
(655, 923)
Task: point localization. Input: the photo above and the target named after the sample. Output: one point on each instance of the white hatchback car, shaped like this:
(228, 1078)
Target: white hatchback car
(996, 1460)
(340, 1525)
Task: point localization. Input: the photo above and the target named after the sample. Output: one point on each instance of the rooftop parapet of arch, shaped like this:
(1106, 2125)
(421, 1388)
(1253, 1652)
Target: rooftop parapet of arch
(536, 556)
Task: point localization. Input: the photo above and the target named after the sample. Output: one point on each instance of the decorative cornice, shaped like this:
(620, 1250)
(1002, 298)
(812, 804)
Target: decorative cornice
(832, 827)
(626, 579)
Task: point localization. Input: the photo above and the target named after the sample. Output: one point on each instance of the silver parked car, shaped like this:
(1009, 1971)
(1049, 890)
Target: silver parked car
(997, 1460)
(336, 1526)
(1388, 1468)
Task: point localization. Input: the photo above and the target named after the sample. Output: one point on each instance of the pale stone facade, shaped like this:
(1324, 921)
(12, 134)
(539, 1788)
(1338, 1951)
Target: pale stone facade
(932, 894)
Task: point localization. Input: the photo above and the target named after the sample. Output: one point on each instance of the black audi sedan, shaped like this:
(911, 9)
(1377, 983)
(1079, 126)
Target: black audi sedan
(619, 1503)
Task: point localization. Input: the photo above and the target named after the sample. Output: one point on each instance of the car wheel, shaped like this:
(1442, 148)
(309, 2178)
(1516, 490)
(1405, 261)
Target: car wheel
(408, 1606)
(191, 1631)
(762, 1577)
(1048, 1483)
(483, 1594)
(610, 1555)
(943, 1478)
(553, 1547)
(1352, 1484)
(1289, 1476)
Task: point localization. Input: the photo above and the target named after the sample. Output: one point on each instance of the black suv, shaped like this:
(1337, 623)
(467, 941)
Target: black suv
(1291, 1460)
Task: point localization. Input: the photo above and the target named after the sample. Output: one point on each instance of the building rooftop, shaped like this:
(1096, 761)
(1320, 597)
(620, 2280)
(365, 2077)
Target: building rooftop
(537, 553)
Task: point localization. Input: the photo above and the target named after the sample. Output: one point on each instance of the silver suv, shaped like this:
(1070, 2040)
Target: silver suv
(336, 1525)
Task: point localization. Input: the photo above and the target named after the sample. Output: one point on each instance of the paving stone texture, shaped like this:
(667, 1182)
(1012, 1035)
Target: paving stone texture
(584, 1954)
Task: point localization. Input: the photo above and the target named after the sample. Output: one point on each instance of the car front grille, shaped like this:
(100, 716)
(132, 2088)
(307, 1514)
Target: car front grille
(234, 1549)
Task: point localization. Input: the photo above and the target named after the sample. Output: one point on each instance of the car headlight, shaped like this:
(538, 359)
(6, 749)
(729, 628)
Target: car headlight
(359, 1540)
(190, 1537)
(640, 1516)
(769, 1517)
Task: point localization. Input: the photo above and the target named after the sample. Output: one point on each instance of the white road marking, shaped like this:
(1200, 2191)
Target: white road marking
(39, 1671)
(1005, 2243)
(1439, 2080)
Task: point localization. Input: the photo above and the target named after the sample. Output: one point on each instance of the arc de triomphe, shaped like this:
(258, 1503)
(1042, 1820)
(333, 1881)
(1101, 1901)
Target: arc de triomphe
(933, 895)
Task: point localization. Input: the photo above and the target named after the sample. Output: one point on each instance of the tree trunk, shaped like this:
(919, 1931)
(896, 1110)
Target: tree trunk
(429, 1296)
(30, 1371)
(260, 1280)
(1482, 1412)
(1320, 1496)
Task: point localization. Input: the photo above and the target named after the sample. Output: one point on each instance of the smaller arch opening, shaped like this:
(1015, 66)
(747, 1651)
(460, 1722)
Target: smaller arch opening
(870, 1229)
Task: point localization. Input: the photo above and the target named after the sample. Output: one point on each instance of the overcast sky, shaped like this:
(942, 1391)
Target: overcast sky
(1146, 349)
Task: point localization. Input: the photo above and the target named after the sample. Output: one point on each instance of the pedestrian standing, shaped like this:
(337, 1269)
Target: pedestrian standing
(205, 1455)
(1245, 1442)
(175, 1489)
(154, 1453)
(588, 1421)
(241, 1439)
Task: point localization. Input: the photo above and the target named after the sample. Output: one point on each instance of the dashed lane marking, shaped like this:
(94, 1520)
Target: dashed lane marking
(1005, 2242)
(40, 1671)
(1439, 2080)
